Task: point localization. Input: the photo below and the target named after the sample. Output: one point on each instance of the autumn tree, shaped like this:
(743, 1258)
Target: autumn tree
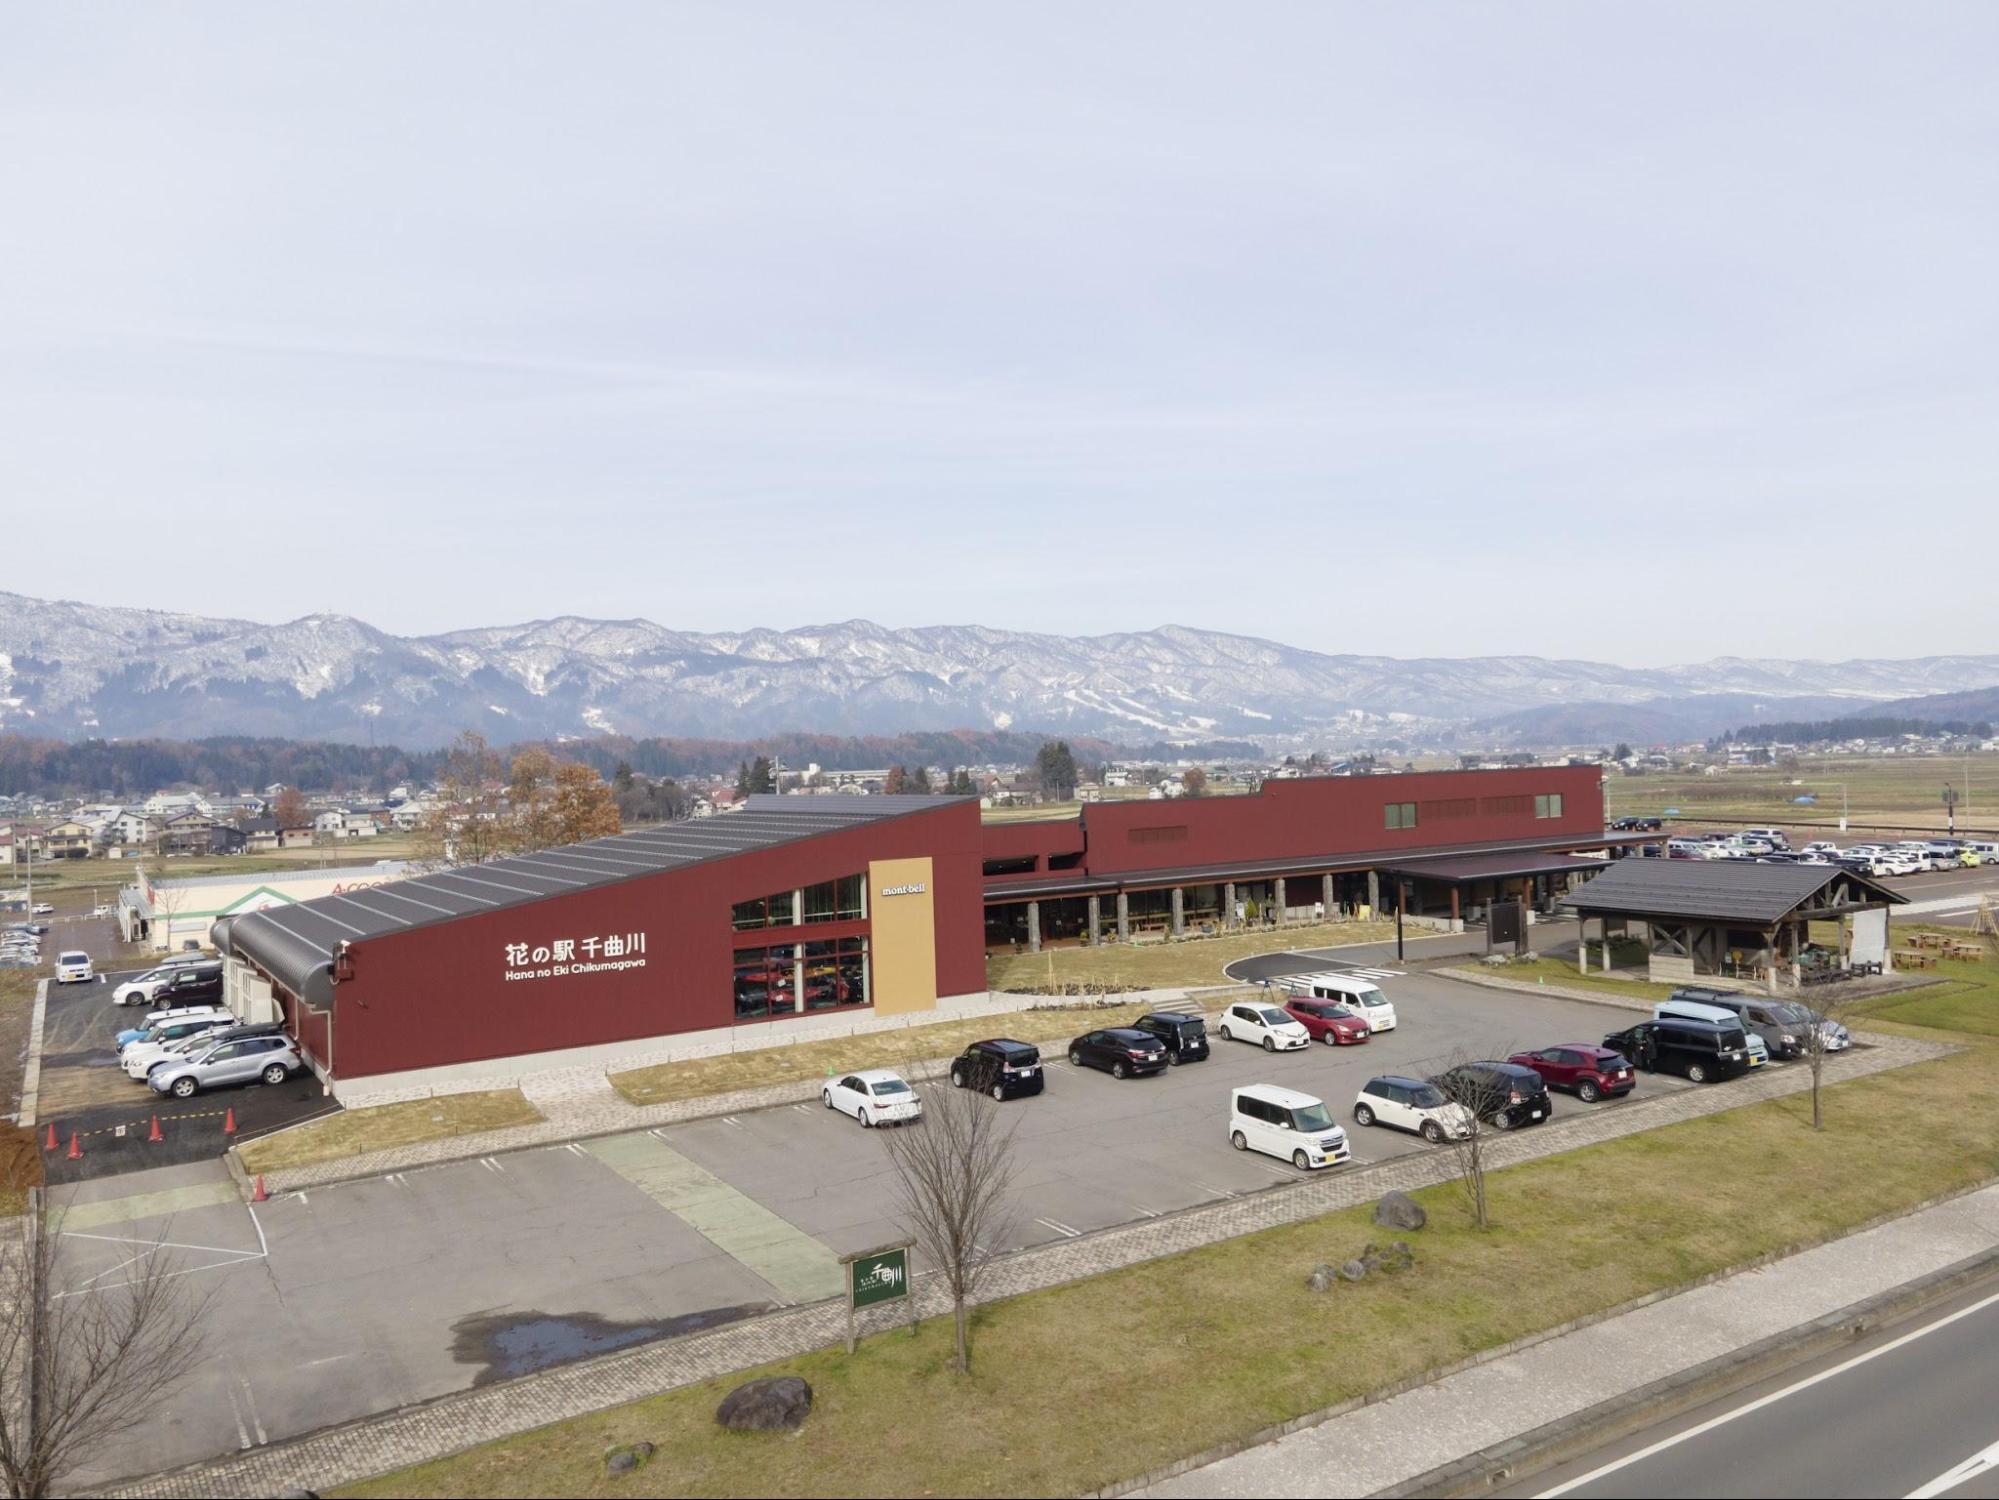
(896, 783)
(1194, 781)
(585, 808)
(290, 809)
(466, 826)
(552, 802)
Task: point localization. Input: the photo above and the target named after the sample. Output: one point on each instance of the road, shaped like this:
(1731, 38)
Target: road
(349, 1300)
(1907, 1412)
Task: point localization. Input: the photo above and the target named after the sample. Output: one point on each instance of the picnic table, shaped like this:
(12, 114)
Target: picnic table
(1966, 951)
(1915, 958)
(1928, 939)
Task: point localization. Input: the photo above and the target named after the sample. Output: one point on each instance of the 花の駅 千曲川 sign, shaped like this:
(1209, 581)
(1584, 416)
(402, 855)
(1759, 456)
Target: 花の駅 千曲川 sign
(880, 1277)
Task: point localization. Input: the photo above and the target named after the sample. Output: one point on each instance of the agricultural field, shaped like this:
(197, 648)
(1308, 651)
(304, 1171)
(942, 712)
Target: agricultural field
(1880, 792)
(106, 875)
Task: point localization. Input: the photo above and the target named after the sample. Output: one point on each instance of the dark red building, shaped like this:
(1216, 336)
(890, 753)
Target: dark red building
(818, 908)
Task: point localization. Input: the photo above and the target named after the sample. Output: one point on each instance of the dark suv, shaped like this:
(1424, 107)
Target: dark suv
(191, 986)
(1701, 1051)
(1505, 1094)
(1185, 1038)
(1767, 1018)
(1001, 1067)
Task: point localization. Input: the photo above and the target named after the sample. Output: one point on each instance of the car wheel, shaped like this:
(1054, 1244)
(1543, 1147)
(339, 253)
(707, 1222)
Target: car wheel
(1302, 1162)
(1502, 1121)
(861, 1114)
(1236, 1140)
(1433, 1132)
(999, 1092)
(1696, 1073)
(1269, 1044)
(1075, 1058)
(826, 1097)
(1117, 1070)
(1588, 1092)
(1362, 1115)
(183, 1088)
(1227, 1035)
(1331, 1039)
(275, 1074)
(957, 1078)
(1174, 1059)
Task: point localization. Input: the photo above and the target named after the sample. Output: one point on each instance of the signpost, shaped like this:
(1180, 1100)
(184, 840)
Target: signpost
(1950, 807)
(877, 1276)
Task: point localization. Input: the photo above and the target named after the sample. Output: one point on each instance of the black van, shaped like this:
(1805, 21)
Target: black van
(1001, 1067)
(1184, 1037)
(1701, 1051)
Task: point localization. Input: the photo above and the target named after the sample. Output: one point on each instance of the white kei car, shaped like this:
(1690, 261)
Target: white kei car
(878, 1096)
(1266, 1025)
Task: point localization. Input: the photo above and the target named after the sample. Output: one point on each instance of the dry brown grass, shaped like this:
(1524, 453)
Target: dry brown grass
(355, 1132)
(1167, 965)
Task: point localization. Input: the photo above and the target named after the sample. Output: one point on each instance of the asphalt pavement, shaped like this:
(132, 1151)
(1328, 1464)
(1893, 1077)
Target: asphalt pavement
(1907, 1412)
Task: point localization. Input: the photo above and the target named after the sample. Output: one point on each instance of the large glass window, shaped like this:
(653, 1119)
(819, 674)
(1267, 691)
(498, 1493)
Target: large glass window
(836, 974)
(766, 911)
(834, 900)
(766, 982)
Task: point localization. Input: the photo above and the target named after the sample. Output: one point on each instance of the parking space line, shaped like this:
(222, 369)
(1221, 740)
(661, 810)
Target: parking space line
(250, 1405)
(1219, 1192)
(236, 1411)
(1065, 1230)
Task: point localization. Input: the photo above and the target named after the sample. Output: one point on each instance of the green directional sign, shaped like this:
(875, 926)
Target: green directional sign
(882, 1276)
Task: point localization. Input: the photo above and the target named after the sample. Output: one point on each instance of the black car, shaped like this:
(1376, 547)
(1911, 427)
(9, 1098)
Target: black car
(1700, 1051)
(1185, 1038)
(1121, 1051)
(1767, 1018)
(1000, 1066)
(1503, 1094)
(195, 985)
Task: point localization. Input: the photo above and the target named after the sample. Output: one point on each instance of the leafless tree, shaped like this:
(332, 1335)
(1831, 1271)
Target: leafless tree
(81, 1358)
(954, 1171)
(1480, 1097)
(1821, 1031)
(167, 903)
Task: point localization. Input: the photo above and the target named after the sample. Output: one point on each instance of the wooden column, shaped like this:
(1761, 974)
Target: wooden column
(1455, 917)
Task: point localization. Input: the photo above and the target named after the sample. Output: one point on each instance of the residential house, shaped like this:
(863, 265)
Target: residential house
(69, 839)
(189, 831)
(132, 829)
(332, 823)
(296, 836)
(260, 835)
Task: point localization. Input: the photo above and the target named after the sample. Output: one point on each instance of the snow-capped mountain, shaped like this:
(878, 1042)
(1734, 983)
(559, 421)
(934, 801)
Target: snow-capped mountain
(70, 670)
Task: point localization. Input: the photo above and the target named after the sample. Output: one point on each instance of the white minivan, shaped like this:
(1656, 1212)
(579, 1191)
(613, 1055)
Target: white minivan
(74, 968)
(1362, 996)
(1288, 1124)
(1695, 1010)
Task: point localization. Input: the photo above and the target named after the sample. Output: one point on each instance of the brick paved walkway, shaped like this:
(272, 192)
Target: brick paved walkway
(343, 1455)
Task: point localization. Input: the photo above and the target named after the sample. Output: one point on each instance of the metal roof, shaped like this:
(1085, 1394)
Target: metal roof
(296, 944)
(1724, 890)
(1461, 868)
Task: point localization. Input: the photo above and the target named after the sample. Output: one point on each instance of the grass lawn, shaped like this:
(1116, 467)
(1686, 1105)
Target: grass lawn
(1899, 791)
(107, 875)
(700, 1076)
(1164, 965)
(1186, 1365)
(354, 1132)
(1557, 971)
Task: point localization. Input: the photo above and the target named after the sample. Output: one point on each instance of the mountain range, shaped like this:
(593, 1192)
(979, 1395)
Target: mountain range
(70, 670)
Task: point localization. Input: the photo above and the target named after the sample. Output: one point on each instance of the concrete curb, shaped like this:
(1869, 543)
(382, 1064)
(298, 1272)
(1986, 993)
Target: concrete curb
(1528, 1341)
(31, 1074)
(1530, 1453)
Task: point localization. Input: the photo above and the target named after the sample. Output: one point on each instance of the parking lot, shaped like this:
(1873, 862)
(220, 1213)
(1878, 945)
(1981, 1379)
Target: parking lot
(354, 1299)
(84, 1092)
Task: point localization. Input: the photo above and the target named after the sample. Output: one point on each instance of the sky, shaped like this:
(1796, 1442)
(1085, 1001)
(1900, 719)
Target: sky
(1637, 332)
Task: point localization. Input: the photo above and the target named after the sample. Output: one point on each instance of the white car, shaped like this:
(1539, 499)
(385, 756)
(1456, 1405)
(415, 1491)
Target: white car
(1776, 838)
(1361, 996)
(1266, 1025)
(876, 1097)
(1411, 1104)
(43, 909)
(1820, 846)
(1287, 1124)
(74, 968)
(1898, 862)
(100, 911)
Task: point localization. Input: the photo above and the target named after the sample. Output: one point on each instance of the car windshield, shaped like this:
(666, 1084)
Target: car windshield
(1275, 1017)
(1369, 996)
(1424, 1096)
(890, 1086)
(1311, 1117)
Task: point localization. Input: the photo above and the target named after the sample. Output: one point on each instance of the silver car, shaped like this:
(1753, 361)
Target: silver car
(244, 1060)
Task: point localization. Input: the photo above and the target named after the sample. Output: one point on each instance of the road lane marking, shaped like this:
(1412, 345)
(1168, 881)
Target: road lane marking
(1762, 1401)
(1982, 1462)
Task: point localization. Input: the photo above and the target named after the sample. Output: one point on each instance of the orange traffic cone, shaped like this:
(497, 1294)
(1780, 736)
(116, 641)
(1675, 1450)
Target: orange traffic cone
(259, 1196)
(154, 1133)
(75, 1152)
(229, 1121)
(52, 1137)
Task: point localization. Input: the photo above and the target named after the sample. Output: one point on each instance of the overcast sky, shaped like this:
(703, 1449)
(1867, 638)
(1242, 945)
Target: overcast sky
(1636, 332)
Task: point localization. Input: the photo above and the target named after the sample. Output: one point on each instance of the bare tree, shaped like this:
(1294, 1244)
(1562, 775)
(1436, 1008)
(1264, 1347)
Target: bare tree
(167, 903)
(1820, 1032)
(81, 1358)
(953, 1173)
(1479, 1100)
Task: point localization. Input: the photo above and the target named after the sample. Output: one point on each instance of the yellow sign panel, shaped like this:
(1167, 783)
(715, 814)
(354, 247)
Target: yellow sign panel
(904, 948)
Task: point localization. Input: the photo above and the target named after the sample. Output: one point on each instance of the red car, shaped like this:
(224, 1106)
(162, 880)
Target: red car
(1332, 1024)
(1590, 1073)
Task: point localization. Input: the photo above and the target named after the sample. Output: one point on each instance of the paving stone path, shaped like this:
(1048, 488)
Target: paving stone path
(451, 1424)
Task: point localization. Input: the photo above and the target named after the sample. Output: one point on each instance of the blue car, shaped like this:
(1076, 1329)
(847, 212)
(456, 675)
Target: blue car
(173, 1028)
